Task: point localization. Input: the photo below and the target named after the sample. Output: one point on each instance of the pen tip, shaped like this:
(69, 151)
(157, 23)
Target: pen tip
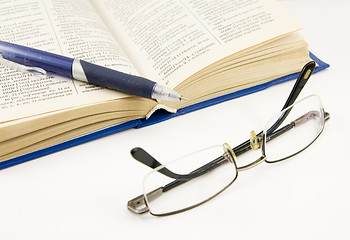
(182, 98)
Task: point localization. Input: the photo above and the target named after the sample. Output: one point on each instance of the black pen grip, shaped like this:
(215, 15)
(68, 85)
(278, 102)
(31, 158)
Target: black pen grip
(112, 79)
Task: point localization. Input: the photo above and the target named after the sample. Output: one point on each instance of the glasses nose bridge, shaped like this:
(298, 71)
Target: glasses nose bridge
(251, 165)
(256, 142)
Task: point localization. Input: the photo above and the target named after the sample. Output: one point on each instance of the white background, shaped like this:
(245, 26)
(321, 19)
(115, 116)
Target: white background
(81, 193)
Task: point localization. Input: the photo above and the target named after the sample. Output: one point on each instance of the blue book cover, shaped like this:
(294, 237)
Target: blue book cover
(157, 117)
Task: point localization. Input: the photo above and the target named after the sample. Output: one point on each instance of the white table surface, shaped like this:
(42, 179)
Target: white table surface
(81, 193)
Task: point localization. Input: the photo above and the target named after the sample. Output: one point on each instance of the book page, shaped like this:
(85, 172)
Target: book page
(65, 27)
(171, 40)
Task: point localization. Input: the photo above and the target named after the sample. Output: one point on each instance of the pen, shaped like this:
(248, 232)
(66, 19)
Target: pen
(87, 72)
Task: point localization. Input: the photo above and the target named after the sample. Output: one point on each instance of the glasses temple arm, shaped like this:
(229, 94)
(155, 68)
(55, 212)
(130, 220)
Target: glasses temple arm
(302, 79)
(144, 157)
(196, 173)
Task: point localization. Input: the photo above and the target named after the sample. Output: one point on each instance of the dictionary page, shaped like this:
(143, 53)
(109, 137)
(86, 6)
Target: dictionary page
(65, 27)
(170, 40)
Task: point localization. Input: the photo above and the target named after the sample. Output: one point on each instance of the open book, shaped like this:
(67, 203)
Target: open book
(202, 49)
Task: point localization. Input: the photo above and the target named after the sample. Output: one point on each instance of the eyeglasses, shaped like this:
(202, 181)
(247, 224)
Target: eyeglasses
(194, 179)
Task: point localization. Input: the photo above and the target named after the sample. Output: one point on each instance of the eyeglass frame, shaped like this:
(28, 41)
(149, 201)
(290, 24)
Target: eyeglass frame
(257, 141)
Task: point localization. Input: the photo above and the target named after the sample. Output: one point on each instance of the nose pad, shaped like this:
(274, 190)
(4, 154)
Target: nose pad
(254, 142)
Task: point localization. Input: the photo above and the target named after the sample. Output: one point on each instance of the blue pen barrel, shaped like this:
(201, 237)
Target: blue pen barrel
(119, 81)
(37, 58)
(86, 71)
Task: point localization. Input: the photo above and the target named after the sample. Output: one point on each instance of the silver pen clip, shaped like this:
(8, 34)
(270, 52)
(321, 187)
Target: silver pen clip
(21, 68)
